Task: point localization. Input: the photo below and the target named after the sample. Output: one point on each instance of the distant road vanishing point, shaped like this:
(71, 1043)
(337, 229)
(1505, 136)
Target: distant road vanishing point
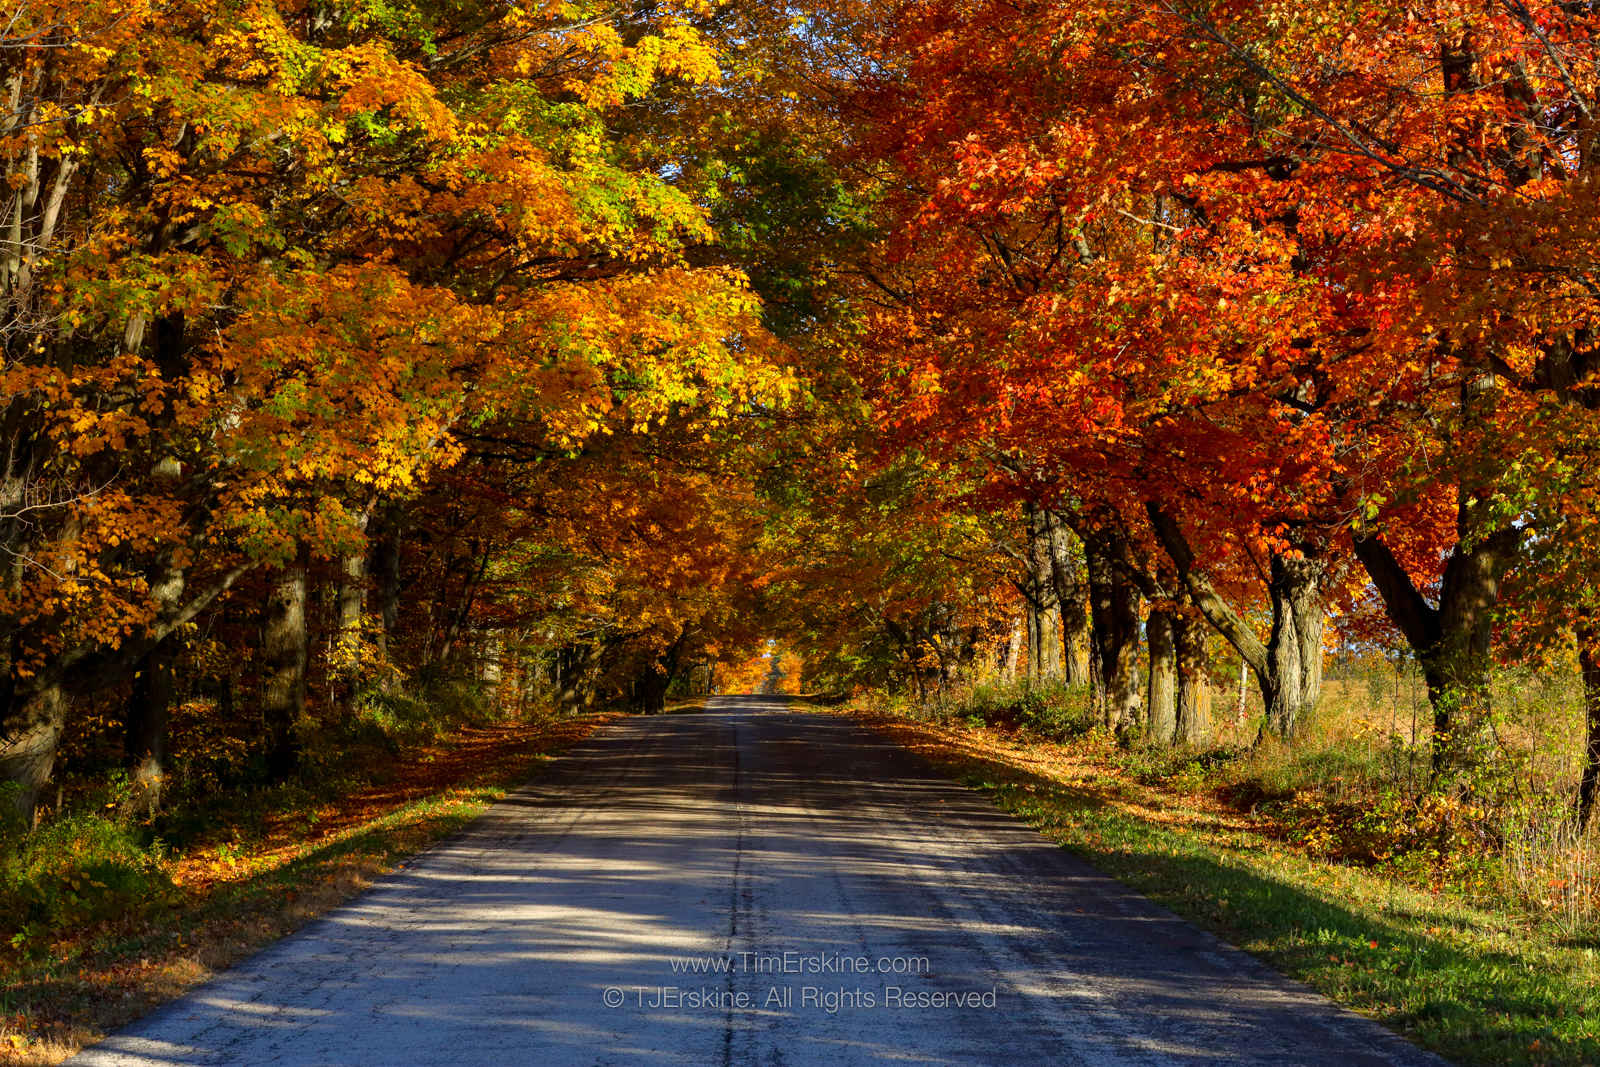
(749, 885)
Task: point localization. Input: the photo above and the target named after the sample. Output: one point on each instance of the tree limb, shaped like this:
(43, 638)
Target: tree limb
(1218, 612)
(1411, 612)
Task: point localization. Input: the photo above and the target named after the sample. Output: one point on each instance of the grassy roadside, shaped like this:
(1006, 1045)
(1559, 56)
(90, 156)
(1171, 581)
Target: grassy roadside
(1475, 984)
(256, 873)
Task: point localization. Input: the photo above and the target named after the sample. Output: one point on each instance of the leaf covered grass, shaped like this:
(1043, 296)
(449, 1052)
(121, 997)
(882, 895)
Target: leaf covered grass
(257, 868)
(1471, 981)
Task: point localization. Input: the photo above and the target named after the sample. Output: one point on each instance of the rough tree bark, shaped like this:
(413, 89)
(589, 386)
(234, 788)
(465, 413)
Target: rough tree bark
(1039, 593)
(32, 708)
(574, 690)
(1288, 666)
(1072, 602)
(1161, 704)
(1294, 648)
(1114, 621)
(33, 724)
(149, 707)
(350, 606)
(352, 602)
(149, 711)
(385, 569)
(1011, 653)
(1451, 640)
(491, 660)
(650, 687)
(34, 712)
(1194, 699)
(1178, 704)
(284, 645)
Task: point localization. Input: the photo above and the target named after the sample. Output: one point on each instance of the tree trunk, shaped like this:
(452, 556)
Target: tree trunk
(347, 654)
(150, 704)
(385, 568)
(350, 649)
(448, 640)
(1114, 621)
(1044, 612)
(1099, 566)
(1072, 602)
(1293, 682)
(1450, 641)
(491, 665)
(145, 731)
(32, 732)
(1012, 654)
(1288, 667)
(1194, 699)
(650, 690)
(1457, 667)
(33, 714)
(1589, 781)
(284, 642)
(1244, 688)
(909, 645)
(1162, 702)
(573, 691)
(352, 603)
(1044, 644)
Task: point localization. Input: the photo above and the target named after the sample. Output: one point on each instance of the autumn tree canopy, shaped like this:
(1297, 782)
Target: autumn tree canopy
(574, 349)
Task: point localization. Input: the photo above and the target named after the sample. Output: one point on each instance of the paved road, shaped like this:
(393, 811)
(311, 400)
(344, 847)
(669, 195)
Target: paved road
(866, 912)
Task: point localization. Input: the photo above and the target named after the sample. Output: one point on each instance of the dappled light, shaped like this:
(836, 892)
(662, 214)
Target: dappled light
(745, 834)
(1186, 415)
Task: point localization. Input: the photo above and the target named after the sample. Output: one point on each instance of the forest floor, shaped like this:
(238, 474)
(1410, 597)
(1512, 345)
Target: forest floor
(260, 868)
(1470, 980)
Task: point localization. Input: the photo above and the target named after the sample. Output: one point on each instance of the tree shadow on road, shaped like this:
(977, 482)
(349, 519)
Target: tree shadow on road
(1423, 965)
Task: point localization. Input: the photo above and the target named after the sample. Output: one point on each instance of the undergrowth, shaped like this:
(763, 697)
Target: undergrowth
(1461, 907)
(106, 907)
(1349, 790)
(76, 870)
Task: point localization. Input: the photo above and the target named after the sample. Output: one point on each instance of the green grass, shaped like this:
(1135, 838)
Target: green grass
(255, 870)
(1475, 984)
(1050, 710)
(1472, 985)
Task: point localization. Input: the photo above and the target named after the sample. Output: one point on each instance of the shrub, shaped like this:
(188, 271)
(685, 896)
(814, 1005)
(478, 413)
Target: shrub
(1346, 767)
(76, 869)
(1182, 767)
(211, 751)
(1551, 868)
(391, 720)
(457, 700)
(1048, 710)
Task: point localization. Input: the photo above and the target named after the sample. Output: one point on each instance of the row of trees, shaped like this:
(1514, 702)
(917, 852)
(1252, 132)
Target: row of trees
(370, 341)
(574, 344)
(1265, 314)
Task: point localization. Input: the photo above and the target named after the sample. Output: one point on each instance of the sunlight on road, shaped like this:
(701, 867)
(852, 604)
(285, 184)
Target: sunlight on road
(741, 886)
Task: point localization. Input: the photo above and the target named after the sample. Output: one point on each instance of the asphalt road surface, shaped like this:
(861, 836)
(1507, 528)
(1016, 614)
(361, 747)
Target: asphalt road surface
(844, 905)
